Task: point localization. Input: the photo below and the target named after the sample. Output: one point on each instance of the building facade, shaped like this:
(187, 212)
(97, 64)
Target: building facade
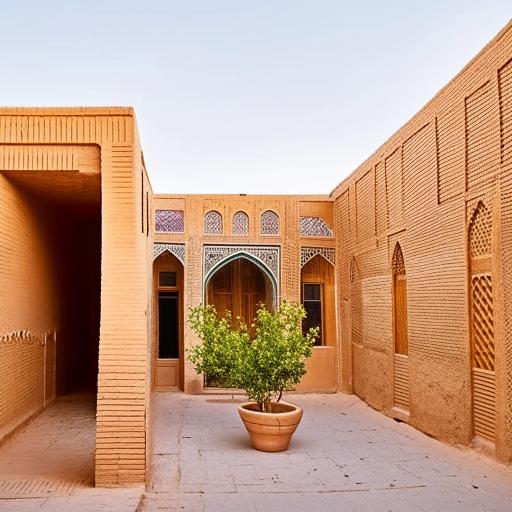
(406, 266)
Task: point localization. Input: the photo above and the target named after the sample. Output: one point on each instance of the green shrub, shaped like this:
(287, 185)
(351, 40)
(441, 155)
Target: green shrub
(264, 366)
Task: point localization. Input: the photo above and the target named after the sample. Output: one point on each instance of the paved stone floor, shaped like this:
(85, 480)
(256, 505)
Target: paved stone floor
(48, 466)
(344, 456)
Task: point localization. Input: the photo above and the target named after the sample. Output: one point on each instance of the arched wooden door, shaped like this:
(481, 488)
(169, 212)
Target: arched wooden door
(400, 334)
(239, 286)
(482, 324)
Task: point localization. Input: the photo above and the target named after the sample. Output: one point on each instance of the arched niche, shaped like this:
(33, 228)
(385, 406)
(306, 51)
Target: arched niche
(168, 322)
(318, 298)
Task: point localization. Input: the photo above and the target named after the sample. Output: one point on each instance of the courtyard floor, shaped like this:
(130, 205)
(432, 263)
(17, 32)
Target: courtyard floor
(344, 456)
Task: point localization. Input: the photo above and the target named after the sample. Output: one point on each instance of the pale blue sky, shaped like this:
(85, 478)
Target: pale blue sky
(235, 96)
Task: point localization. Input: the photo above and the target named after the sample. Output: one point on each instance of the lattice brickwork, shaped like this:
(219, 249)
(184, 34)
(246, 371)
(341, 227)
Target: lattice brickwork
(171, 221)
(213, 223)
(398, 261)
(314, 226)
(480, 232)
(482, 321)
(308, 253)
(269, 223)
(240, 224)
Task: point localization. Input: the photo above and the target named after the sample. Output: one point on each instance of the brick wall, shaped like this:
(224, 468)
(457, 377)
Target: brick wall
(419, 189)
(27, 311)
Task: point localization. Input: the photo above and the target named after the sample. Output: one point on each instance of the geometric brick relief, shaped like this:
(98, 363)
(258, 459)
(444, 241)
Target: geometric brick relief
(450, 153)
(505, 86)
(50, 157)
(481, 135)
(314, 226)
(213, 223)
(215, 254)
(269, 223)
(240, 224)
(480, 231)
(482, 322)
(308, 253)
(393, 175)
(365, 206)
(169, 221)
(177, 250)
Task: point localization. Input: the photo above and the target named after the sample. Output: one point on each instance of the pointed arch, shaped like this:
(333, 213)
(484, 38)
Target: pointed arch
(399, 301)
(269, 223)
(240, 224)
(397, 261)
(253, 259)
(213, 223)
(480, 231)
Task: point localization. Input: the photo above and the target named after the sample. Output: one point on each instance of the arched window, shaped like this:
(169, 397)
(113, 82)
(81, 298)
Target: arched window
(213, 223)
(269, 223)
(482, 323)
(240, 224)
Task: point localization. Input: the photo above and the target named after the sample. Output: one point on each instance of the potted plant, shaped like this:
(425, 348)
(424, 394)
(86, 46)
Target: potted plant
(264, 359)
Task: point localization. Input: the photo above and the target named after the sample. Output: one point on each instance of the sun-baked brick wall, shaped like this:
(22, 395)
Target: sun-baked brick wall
(288, 238)
(428, 177)
(27, 310)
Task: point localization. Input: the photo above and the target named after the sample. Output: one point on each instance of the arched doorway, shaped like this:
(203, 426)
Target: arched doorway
(400, 334)
(168, 323)
(239, 285)
(482, 323)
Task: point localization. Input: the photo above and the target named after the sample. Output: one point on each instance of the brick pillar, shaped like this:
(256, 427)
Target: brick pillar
(121, 414)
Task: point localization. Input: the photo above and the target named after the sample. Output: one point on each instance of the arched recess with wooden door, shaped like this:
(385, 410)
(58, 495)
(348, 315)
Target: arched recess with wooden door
(168, 323)
(238, 284)
(482, 323)
(401, 385)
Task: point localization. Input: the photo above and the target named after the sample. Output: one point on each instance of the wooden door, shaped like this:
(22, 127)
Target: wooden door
(400, 332)
(238, 287)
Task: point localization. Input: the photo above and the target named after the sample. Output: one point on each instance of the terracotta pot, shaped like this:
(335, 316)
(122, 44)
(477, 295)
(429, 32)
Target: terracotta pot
(270, 431)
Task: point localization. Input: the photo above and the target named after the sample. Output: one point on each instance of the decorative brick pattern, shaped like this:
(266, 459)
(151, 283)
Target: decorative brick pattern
(215, 254)
(240, 224)
(171, 221)
(213, 223)
(177, 249)
(314, 226)
(269, 223)
(308, 253)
